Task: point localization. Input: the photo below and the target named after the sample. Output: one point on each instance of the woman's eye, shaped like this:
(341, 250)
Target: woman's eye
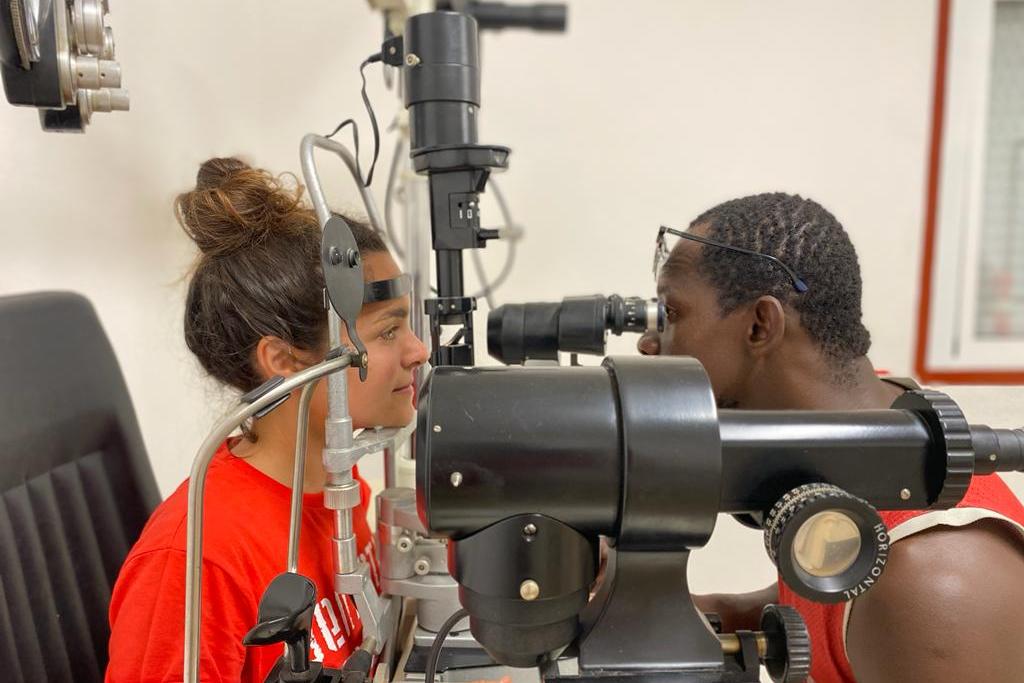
(389, 334)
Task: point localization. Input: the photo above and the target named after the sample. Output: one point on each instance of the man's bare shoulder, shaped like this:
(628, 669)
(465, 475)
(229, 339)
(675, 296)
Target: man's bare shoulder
(950, 607)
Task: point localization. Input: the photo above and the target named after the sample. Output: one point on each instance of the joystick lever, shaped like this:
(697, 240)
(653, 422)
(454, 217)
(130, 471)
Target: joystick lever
(285, 616)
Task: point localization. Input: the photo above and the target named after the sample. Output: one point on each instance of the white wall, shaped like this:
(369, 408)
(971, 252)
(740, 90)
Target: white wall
(645, 113)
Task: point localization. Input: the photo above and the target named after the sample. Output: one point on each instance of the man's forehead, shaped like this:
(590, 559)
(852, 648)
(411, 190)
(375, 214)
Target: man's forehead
(685, 254)
(671, 282)
(679, 266)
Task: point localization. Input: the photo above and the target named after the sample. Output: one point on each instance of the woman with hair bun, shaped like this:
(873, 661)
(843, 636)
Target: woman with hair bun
(254, 310)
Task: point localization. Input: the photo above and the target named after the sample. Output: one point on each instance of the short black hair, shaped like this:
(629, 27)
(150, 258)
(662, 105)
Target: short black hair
(806, 237)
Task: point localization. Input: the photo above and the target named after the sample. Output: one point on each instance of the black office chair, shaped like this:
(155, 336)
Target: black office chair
(76, 485)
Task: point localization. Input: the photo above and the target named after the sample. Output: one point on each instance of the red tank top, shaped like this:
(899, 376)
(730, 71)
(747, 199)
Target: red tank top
(988, 497)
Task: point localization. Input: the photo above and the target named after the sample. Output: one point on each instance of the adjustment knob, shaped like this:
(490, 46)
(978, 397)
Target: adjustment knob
(788, 657)
(950, 448)
(828, 545)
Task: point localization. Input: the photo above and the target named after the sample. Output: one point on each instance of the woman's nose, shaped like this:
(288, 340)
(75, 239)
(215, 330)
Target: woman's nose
(417, 353)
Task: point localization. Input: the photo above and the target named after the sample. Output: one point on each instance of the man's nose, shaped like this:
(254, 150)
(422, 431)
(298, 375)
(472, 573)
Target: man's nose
(649, 344)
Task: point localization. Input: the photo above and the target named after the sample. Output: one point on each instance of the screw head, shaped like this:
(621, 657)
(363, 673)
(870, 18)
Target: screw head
(905, 494)
(993, 457)
(456, 479)
(404, 544)
(411, 59)
(529, 590)
(422, 567)
(437, 429)
(334, 256)
(352, 256)
(530, 529)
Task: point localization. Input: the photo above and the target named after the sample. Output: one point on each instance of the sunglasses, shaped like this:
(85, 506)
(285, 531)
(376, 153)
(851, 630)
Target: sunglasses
(661, 253)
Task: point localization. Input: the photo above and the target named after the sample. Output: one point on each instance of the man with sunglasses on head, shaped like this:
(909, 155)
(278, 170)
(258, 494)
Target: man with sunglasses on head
(765, 291)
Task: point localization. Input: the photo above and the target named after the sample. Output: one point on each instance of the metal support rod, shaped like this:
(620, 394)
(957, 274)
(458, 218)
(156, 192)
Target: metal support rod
(449, 273)
(197, 488)
(339, 436)
(316, 193)
(343, 523)
(390, 467)
(731, 643)
(338, 430)
(299, 475)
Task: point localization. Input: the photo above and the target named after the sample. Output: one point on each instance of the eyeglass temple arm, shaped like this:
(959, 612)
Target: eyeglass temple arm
(798, 282)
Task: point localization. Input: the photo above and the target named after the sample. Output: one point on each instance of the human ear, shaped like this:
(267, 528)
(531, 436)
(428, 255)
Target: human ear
(275, 357)
(767, 325)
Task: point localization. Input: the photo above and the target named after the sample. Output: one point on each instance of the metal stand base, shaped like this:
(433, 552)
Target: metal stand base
(451, 658)
(567, 671)
(460, 651)
(642, 627)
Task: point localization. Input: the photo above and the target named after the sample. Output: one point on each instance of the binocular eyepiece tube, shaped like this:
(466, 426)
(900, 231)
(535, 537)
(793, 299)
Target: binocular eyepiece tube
(538, 331)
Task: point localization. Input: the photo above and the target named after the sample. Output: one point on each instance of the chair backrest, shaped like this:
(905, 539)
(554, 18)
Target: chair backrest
(75, 483)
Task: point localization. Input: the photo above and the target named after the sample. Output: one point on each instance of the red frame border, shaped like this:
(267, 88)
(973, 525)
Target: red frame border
(921, 367)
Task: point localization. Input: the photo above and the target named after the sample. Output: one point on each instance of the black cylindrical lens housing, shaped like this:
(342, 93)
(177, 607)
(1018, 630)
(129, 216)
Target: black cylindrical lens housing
(765, 453)
(516, 332)
(579, 324)
(550, 440)
(493, 443)
(583, 324)
(538, 330)
(635, 314)
(442, 79)
(997, 450)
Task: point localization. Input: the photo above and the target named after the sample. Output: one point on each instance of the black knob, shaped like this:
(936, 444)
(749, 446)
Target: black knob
(829, 546)
(950, 454)
(788, 657)
(285, 616)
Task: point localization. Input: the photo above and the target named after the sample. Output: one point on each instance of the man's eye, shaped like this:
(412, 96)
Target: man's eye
(671, 314)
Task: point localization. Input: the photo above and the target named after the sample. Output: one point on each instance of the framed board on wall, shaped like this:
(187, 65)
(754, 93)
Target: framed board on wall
(971, 311)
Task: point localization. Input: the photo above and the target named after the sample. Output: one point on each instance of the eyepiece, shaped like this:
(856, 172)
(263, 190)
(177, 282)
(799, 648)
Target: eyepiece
(538, 331)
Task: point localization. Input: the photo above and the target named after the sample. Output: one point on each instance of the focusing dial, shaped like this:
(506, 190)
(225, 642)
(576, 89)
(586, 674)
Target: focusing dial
(828, 545)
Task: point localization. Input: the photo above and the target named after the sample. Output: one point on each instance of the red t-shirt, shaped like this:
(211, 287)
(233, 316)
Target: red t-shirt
(987, 498)
(245, 542)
